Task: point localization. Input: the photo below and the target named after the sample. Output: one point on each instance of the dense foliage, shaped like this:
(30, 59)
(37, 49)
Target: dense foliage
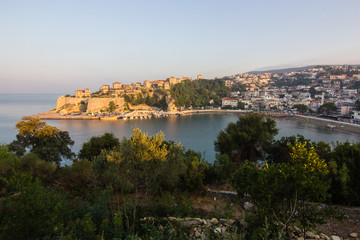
(246, 138)
(48, 142)
(286, 192)
(114, 184)
(327, 108)
(154, 99)
(302, 108)
(199, 93)
(95, 145)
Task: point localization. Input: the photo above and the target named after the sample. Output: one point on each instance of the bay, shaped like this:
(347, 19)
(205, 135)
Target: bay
(197, 131)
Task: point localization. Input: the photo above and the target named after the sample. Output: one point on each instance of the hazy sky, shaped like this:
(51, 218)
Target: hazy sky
(60, 46)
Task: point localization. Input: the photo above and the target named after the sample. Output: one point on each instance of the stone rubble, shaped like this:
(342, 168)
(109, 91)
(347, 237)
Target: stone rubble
(198, 228)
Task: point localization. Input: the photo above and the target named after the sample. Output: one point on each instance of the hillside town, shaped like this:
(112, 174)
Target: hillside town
(326, 91)
(310, 88)
(118, 89)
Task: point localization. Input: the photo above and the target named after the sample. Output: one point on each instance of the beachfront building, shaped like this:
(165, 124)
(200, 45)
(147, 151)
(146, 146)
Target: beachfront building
(229, 102)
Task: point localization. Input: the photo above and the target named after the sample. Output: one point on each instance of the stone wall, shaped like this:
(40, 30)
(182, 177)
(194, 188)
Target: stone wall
(68, 102)
(97, 104)
(71, 104)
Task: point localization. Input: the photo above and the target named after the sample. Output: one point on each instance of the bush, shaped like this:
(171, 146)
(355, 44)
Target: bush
(286, 192)
(31, 211)
(345, 167)
(95, 145)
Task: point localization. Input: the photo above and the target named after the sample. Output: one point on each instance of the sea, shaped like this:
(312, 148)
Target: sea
(197, 131)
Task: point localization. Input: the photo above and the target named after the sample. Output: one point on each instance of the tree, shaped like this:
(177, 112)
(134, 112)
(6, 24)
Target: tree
(241, 105)
(345, 166)
(83, 106)
(246, 138)
(301, 108)
(95, 145)
(327, 108)
(48, 142)
(357, 104)
(112, 106)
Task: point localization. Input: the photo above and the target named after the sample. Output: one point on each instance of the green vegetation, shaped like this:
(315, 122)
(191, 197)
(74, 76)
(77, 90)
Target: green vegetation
(198, 93)
(49, 143)
(285, 192)
(112, 106)
(327, 108)
(246, 138)
(158, 99)
(357, 104)
(113, 185)
(83, 106)
(95, 145)
(301, 108)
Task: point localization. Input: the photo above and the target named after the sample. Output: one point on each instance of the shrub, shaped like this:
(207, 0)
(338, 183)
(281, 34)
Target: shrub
(286, 192)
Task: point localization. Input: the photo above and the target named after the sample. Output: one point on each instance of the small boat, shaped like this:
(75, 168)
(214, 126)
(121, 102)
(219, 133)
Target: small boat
(331, 126)
(109, 118)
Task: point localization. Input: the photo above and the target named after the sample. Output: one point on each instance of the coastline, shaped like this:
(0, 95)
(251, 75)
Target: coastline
(335, 125)
(338, 126)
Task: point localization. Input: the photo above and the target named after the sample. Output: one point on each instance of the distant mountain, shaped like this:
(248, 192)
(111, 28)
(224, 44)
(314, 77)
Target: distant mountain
(283, 70)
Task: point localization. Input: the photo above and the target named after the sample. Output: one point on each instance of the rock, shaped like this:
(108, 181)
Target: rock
(323, 236)
(197, 234)
(300, 238)
(298, 230)
(172, 218)
(334, 237)
(248, 206)
(214, 221)
(203, 236)
(354, 235)
(311, 235)
(231, 221)
(217, 230)
(191, 222)
(223, 221)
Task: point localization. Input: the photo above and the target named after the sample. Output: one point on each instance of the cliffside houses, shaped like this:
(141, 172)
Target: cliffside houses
(83, 93)
(134, 88)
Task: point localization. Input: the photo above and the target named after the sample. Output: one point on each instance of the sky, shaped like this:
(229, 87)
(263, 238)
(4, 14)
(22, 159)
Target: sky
(60, 46)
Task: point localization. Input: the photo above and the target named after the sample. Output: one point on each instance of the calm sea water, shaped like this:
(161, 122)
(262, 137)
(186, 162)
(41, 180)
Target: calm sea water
(197, 132)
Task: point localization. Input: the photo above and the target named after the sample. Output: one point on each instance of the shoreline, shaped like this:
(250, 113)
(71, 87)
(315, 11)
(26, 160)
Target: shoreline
(335, 125)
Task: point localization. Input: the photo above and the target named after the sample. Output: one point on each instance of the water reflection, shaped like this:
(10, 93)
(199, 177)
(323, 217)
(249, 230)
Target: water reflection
(197, 132)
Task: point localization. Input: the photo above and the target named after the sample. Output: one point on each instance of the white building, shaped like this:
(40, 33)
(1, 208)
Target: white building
(229, 101)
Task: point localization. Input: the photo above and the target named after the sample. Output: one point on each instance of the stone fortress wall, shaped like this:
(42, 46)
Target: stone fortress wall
(94, 104)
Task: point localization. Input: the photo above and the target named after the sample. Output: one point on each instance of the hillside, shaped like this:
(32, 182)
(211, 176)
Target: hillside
(283, 70)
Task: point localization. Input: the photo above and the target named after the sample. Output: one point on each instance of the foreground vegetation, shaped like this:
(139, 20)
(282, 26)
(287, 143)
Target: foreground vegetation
(113, 184)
